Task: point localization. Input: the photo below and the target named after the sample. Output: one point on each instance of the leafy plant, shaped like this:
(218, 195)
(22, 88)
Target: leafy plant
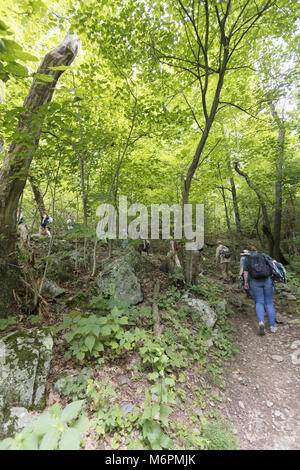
(108, 416)
(210, 290)
(34, 319)
(75, 386)
(5, 322)
(89, 334)
(56, 430)
(190, 436)
(156, 414)
(169, 299)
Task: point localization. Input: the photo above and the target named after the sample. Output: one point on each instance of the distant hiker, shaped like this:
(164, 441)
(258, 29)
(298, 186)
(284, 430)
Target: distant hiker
(241, 272)
(145, 247)
(257, 274)
(23, 230)
(125, 241)
(45, 220)
(20, 218)
(69, 222)
(223, 254)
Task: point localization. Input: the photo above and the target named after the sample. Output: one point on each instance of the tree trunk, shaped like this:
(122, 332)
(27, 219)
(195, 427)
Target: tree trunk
(15, 169)
(266, 221)
(234, 199)
(37, 195)
(224, 201)
(237, 218)
(278, 182)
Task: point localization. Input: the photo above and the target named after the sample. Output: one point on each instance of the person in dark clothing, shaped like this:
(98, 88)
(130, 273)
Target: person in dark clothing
(262, 291)
(45, 220)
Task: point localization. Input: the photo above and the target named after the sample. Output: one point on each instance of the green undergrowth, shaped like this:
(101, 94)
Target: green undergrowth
(177, 373)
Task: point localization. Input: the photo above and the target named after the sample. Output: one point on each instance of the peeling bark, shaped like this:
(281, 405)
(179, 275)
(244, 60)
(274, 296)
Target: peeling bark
(15, 169)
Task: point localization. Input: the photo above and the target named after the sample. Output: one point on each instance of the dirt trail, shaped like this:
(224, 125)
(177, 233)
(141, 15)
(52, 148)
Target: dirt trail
(262, 395)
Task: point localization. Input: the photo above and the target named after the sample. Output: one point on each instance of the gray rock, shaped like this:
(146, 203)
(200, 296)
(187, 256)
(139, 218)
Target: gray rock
(278, 414)
(296, 357)
(25, 358)
(123, 380)
(206, 314)
(127, 408)
(277, 358)
(280, 319)
(52, 288)
(295, 344)
(209, 342)
(282, 287)
(290, 296)
(19, 417)
(122, 275)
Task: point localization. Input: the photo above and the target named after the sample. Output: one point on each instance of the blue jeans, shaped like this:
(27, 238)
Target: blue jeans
(263, 292)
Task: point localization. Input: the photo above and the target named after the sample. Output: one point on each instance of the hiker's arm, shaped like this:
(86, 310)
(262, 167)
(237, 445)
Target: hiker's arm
(246, 285)
(241, 271)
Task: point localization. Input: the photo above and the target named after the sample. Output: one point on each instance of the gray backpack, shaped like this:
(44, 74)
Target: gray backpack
(225, 252)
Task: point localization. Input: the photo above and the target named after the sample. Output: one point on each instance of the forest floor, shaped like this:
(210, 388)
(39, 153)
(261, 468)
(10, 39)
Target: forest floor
(257, 396)
(262, 383)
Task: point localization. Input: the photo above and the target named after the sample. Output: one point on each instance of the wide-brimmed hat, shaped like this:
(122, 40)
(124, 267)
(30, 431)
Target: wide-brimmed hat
(245, 252)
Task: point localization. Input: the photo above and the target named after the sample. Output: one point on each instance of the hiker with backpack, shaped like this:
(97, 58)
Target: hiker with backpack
(146, 246)
(69, 222)
(125, 241)
(223, 254)
(260, 273)
(45, 220)
(23, 230)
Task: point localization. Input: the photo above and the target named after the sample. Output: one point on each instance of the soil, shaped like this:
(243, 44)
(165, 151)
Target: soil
(261, 398)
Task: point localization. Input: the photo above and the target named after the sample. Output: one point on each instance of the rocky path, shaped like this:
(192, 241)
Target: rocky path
(262, 395)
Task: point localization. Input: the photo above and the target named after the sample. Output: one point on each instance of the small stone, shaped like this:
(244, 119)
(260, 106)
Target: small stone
(277, 358)
(295, 344)
(269, 404)
(127, 408)
(209, 342)
(123, 380)
(53, 289)
(290, 297)
(241, 404)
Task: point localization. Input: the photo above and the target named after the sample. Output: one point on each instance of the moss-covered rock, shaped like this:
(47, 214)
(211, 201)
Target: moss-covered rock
(124, 274)
(25, 358)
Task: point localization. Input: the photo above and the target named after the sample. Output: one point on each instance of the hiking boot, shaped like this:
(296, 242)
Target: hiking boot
(273, 329)
(261, 328)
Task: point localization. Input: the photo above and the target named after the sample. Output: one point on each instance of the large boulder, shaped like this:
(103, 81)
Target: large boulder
(25, 358)
(205, 313)
(122, 276)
